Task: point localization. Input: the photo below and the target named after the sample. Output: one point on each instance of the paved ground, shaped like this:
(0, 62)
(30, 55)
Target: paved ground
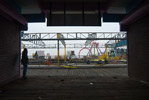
(76, 84)
(83, 72)
(81, 66)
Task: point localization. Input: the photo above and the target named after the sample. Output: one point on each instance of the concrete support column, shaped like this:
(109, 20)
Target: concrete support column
(138, 49)
(136, 23)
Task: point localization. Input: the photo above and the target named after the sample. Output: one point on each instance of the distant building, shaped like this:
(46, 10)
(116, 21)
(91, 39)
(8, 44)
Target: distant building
(39, 56)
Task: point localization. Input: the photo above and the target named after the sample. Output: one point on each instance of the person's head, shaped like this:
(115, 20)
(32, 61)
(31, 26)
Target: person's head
(25, 50)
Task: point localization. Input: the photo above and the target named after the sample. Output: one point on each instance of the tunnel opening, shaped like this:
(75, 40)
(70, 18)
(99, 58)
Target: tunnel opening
(77, 50)
(63, 77)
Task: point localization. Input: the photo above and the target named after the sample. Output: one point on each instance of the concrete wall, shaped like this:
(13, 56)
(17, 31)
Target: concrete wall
(9, 50)
(138, 49)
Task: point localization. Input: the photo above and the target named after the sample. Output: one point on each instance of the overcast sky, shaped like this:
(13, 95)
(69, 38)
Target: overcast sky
(41, 27)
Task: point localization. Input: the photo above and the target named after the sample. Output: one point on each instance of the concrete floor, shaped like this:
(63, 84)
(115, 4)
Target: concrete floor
(76, 84)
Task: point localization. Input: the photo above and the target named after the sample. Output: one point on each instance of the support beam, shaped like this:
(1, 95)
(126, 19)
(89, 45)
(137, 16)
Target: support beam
(94, 48)
(113, 17)
(65, 52)
(34, 17)
(76, 36)
(133, 5)
(136, 14)
(58, 36)
(9, 11)
(76, 39)
(61, 46)
(14, 5)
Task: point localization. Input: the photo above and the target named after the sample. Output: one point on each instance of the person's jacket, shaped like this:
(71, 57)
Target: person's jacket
(24, 59)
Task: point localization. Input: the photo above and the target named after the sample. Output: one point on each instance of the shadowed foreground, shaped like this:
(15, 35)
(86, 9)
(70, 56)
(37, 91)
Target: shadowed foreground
(76, 84)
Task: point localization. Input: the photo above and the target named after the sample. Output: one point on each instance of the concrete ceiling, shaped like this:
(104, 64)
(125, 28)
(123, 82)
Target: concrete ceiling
(61, 12)
(28, 6)
(73, 12)
(34, 7)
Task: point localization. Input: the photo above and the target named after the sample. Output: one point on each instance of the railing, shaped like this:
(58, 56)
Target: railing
(75, 36)
(53, 46)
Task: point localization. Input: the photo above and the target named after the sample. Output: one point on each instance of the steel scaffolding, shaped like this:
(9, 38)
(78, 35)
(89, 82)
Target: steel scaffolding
(53, 46)
(38, 39)
(75, 36)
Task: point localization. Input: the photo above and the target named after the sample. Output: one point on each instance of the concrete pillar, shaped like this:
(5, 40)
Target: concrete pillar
(9, 50)
(138, 49)
(136, 23)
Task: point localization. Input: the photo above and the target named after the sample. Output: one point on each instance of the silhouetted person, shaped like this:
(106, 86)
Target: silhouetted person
(24, 61)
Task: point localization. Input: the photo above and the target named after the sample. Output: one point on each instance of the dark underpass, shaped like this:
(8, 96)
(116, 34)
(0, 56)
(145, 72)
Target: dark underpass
(76, 84)
(98, 83)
